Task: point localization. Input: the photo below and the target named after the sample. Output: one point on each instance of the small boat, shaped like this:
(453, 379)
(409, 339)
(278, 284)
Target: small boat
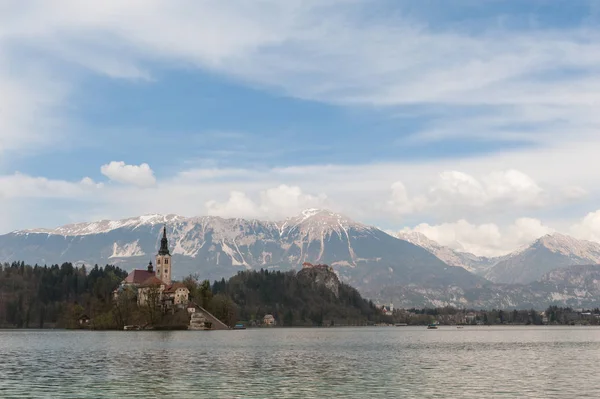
(132, 328)
(239, 327)
(432, 327)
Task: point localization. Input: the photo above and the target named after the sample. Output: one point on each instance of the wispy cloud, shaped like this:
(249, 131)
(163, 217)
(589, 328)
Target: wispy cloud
(333, 52)
(509, 80)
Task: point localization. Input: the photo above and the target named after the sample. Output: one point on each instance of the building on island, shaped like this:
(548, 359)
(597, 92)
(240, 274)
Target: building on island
(269, 320)
(84, 320)
(308, 265)
(157, 286)
(387, 310)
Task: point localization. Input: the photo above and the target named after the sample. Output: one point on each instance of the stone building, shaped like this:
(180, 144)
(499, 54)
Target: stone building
(157, 286)
(269, 320)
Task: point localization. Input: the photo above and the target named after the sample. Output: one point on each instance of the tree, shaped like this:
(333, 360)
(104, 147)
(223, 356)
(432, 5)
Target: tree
(151, 304)
(124, 307)
(224, 309)
(205, 294)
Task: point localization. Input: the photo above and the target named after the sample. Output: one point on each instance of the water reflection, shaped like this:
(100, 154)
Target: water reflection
(302, 363)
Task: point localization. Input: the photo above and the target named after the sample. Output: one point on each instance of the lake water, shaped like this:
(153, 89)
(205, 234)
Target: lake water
(477, 362)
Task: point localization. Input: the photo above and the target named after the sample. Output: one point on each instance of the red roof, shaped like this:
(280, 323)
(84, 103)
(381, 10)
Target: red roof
(173, 287)
(138, 276)
(152, 280)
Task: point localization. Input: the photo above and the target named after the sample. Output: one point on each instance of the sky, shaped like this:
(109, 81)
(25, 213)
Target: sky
(474, 122)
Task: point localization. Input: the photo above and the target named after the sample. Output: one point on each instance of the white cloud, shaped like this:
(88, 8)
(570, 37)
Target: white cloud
(575, 192)
(400, 201)
(20, 185)
(510, 187)
(257, 197)
(88, 181)
(485, 239)
(27, 107)
(137, 175)
(455, 189)
(274, 203)
(284, 201)
(480, 87)
(328, 51)
(237, 205)
(588, 228)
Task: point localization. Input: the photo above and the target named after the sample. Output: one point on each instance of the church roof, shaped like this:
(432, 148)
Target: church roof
(173, 287)
(151, 281)
(138, 276)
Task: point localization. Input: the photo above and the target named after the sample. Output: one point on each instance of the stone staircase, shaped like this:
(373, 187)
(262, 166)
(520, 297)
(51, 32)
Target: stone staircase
(202, 319)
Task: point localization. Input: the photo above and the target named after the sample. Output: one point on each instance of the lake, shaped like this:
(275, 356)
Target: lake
(409, 362)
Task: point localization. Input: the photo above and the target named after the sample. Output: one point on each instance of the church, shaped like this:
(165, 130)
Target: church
(157, 285)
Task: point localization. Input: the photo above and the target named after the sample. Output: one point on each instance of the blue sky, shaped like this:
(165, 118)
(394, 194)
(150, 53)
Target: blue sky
(408, 115)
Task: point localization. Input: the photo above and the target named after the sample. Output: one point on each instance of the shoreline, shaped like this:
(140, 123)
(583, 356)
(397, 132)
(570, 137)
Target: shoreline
(400, 328)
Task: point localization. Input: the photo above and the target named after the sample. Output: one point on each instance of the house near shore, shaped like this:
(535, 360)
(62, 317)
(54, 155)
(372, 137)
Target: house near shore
(84, 320)
(269, 320)
(157, 286)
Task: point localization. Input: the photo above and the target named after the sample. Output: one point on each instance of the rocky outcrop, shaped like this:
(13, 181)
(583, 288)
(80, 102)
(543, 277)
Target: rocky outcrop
(322, 276)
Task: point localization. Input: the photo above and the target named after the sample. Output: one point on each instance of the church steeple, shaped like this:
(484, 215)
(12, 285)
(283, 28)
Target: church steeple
(164, 243)
(163, 259)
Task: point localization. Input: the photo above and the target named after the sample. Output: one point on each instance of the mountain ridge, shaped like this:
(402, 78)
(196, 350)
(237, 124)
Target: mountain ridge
(547, 253)
(471, 262)
(216, 247)
(576, 286)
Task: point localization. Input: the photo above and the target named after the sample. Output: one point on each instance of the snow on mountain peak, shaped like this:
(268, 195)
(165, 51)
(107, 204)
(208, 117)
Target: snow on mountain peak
(307, 213)
(569, 246)
(418, 238)
(320, 219)
(104, 226)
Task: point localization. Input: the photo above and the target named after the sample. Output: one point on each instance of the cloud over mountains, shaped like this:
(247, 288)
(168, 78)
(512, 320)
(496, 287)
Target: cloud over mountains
(474, 124)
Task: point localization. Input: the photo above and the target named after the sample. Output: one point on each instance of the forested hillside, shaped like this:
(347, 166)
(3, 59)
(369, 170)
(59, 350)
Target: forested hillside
(54, 296)
(311, 297)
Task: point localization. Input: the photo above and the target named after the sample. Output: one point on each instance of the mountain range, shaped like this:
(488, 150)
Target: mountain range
(213, 248)
(522, 266)
(473, 263)
(574, 286)
(409, 268)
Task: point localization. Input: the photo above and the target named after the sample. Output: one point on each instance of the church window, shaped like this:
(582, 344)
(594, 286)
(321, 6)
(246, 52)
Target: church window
(158, 261)
(166, 261)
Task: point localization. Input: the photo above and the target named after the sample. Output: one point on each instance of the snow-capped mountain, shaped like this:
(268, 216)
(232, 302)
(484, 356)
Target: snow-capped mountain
(214, 247)
(473, 263)
(550, 252)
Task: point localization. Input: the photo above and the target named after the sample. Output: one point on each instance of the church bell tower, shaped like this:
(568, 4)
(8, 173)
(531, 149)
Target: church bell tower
(163, 260)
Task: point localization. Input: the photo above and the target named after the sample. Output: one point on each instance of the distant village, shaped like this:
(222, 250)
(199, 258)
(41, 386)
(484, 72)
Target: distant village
(451, 316)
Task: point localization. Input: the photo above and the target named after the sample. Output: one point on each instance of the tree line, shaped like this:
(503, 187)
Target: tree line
(48, 296)
(59, 295)
(553, 315)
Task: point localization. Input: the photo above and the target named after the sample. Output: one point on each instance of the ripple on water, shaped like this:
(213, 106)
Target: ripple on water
(302, 363)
